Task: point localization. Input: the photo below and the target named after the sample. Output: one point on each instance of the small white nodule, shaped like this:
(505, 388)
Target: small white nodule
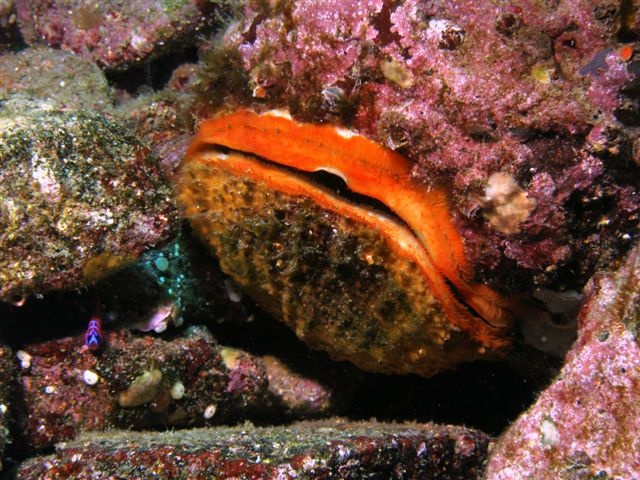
(177, 390)
(90, 377)
(25, 359)
(233, 292)
(210, 411)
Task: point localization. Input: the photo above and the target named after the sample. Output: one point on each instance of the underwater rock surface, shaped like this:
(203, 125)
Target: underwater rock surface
(8, 28)
(81, 197)
(55, 75)
(527, 116)
(587, 422)
(146, 382)
(115, 34)
(543, 94)
(330, 449)
(7, 397)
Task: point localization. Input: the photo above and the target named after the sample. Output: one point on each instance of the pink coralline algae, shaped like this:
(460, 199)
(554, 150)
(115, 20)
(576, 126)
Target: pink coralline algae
(7, 397)
(467, 90)
(587, 423)
(7, 23)
(115, 34)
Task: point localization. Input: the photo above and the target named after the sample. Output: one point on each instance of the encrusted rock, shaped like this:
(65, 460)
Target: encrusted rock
(7, 24)
(330, 449)
(8, 395)
(299, 395)
(145, 382)
(587, 423)
(116, 34)
(47, 73)
(80, 197)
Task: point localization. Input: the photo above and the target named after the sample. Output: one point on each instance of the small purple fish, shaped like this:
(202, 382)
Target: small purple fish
(93, 338)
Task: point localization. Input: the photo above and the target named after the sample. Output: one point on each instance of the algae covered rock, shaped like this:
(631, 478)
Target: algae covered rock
(116, 34)
(308, 450)
(8, 28)
(47, 73)
(587, 423)
(148, 383)
(79, 196)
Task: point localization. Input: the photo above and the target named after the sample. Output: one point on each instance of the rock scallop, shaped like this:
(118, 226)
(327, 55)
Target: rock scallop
(376, 275)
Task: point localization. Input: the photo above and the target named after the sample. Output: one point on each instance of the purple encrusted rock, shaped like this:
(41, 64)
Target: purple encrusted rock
(144, 382)
(587, 423)
(7, 24)
(8, 397)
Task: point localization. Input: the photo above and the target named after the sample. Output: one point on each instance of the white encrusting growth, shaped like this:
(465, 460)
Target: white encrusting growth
(549, 432)
(346, 133)
(279, 113)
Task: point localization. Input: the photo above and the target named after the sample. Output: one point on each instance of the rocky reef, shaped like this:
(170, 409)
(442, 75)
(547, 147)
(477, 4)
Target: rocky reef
(81, 196)
(509, 137)
(8, 30)
(142, 383)
(306, 450)
(116, 35)
(586, 424)
(56, 75)
(543, 94)
(7, 397)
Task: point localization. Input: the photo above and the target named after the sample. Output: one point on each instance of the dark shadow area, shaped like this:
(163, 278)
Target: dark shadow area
(151, 74)
(55, 315)
(483, 395)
